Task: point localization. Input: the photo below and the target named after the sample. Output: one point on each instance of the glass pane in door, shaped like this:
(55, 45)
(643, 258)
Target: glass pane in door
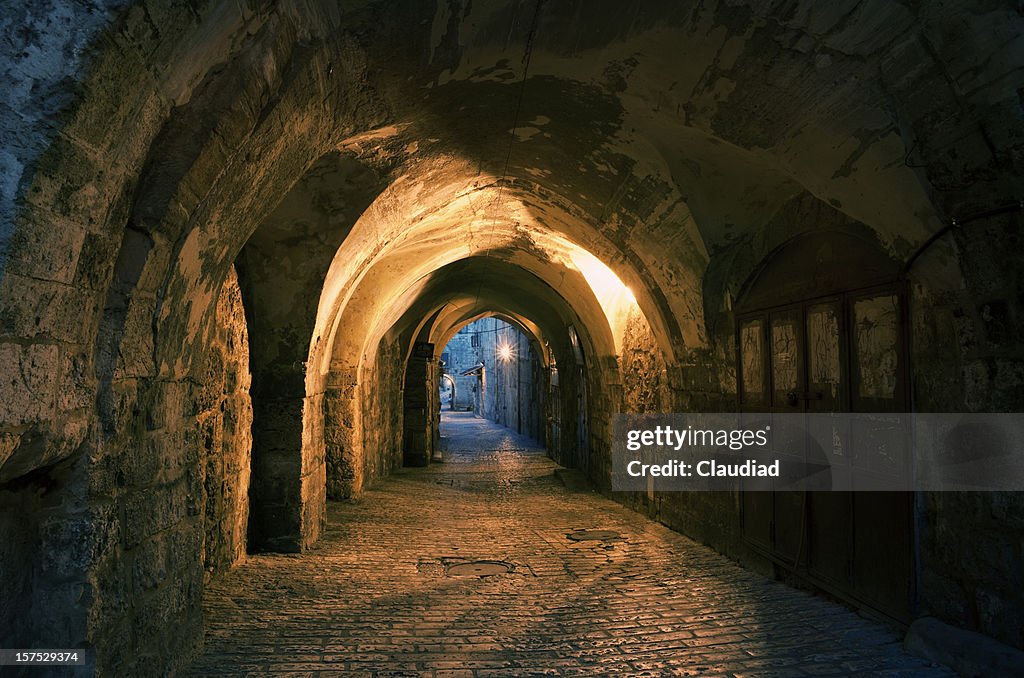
(752, 362)
(786, 359)
(876, 332)
(823, 364)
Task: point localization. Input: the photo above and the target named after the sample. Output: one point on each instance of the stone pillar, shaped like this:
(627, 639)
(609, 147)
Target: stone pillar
(275, 514)
(288, 488)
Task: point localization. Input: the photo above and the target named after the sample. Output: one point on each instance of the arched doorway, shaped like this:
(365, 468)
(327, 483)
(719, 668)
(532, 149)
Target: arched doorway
(821, 327)
(448, 391)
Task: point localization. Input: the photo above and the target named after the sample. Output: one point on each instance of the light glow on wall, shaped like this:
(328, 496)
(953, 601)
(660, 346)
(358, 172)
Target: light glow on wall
(616, 299)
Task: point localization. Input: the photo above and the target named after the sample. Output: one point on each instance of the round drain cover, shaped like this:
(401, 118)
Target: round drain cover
(481, 568)
(594, 535)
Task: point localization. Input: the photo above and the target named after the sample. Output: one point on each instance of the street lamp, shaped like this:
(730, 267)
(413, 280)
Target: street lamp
(504, 352)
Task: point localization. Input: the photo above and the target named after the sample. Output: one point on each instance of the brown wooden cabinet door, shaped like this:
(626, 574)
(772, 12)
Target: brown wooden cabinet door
(882, 531)
(758, 508)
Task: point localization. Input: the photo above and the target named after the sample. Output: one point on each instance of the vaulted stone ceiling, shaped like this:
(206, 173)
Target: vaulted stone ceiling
(650, 134)
(383, 171)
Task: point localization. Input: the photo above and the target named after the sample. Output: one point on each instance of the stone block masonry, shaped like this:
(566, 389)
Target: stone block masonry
(614, 182)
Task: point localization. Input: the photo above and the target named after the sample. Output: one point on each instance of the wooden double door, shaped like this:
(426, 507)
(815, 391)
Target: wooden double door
(841, 353)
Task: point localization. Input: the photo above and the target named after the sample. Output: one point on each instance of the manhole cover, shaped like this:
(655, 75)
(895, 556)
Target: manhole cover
(595, 535)
(481, 568)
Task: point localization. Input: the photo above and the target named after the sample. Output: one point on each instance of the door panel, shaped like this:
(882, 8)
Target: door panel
(829, 514)
(836, 355)
(830, 536)
(757, 518)
(786, 357)
(882, 520)
(877, 346)
(824, 363)
(787, 373)
(882, 562)
(752, 369)
(757, 507)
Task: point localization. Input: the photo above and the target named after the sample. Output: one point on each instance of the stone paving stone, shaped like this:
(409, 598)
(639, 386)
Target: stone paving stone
(373, 598)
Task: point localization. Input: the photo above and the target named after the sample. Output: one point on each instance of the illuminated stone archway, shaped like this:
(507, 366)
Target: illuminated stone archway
(148, 150)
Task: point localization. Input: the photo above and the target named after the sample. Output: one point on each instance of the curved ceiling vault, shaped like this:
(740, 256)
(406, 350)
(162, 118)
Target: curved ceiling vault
(469, 289)
(649, 134)
(612, 143)
(435, 235)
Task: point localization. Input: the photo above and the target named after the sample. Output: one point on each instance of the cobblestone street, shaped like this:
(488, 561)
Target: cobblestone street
(383, 594)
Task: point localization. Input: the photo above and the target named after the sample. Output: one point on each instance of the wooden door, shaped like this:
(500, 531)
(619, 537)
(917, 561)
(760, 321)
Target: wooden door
(838, 354)
(882, 565)
(758, 508)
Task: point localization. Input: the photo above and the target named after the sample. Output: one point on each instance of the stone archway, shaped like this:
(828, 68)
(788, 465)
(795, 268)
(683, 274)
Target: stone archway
(149, 149)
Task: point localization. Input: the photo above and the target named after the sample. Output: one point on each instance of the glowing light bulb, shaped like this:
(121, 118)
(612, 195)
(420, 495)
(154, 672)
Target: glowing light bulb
(505, 352)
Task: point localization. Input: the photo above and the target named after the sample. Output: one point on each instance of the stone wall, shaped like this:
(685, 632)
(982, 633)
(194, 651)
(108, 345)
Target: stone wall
(576, 381)
(344, 472)
(972, 543)
(225, 425)
(381, 398)
(198, 452)
(514, 395)
(644, 373)
(459, 355)
(46, 540)
(709, 517)
(419, 405)
(970, 555)
(362, 422)
(168, 500)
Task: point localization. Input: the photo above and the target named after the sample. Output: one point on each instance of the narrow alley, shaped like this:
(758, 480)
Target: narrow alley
(325, 328)
(487, 565)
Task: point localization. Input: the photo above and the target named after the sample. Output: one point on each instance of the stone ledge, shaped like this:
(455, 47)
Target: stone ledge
(968, 653)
